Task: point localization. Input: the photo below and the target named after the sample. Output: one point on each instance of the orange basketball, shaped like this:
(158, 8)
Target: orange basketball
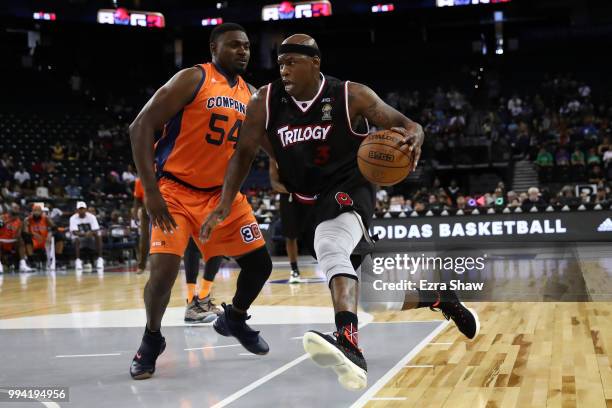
(381, 161)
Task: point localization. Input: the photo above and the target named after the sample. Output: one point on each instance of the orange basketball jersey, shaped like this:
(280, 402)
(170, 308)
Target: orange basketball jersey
(138, 190)
(199, 141)
(39, 227)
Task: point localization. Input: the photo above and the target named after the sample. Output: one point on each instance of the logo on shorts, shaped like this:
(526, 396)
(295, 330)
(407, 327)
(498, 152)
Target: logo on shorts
(250, 232)
(344, 199)
(158, 243)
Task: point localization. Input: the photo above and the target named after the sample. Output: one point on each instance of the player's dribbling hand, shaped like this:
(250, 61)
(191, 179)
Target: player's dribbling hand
(214, 218)
(158, 212)
(413, 140)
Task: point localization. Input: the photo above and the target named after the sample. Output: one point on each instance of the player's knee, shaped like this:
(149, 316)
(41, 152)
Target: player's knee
(257, 263)
(328, 247)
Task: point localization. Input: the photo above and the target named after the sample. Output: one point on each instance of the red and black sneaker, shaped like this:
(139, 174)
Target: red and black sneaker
(143, 363)
(341, 354)
(465, 319)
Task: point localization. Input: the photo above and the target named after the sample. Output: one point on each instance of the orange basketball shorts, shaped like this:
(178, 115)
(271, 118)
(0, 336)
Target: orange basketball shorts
(237, 235)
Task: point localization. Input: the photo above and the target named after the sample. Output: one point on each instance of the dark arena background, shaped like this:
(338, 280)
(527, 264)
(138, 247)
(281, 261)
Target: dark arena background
(512, 192)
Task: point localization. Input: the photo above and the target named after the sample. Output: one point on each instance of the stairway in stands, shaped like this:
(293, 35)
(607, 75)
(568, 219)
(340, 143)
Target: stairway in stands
(525, 175)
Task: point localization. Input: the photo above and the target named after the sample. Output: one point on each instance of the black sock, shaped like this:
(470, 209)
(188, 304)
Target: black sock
(235, 315)
(345, 318)
(151, 337)
(428, 298)
(294, 267)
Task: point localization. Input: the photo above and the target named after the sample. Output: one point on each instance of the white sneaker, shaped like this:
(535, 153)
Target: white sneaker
(78, 265)
(100, 263)
(87, 267)
(295, 277)
(23, 266)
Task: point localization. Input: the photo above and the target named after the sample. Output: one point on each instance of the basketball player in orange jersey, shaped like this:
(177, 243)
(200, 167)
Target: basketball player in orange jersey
(11, 240)
(312, 125)
(201, 110)
(37, 227)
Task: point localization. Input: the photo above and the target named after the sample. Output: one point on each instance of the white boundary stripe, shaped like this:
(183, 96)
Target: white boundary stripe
(211, 347)
(88, 355)
(409, 321)
(385, 378)
(440, 344)
(259, 382)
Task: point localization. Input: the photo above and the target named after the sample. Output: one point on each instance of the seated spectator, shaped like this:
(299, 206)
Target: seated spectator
(596, 175)
(73, 152)
(544, 159)
(592, 157)
(578, 157)
(96, 189)
(21, 175)
(57, 152)
(129, 175)
(56, 189)
(41, 190)
(9, 192)
(601, 197)
(27, 189)
(562, 158)
(73, 190)
(85, 232)
(533, 200)
(567, 197)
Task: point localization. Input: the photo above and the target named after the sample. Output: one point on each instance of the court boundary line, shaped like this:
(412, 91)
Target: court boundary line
(378, 385)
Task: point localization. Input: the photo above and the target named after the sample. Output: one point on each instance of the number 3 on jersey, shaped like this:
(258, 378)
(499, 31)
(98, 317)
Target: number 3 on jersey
(218, 133)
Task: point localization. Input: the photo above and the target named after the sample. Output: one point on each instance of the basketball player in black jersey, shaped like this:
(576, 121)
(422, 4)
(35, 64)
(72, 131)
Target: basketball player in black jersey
(312, 125)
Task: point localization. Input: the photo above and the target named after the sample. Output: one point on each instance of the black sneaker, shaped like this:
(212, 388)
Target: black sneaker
(249, 338)
(143, 364)
(341, 355)
(465, 319)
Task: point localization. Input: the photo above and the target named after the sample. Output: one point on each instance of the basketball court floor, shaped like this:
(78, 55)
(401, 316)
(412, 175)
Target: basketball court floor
(551, 349)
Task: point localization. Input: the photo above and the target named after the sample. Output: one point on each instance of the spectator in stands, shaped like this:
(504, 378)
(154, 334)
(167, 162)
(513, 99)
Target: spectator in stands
(533, 200)
(27, 189)
(37, 167)
(112, 187)
(73, 190)
(96, 190)
(21, 175)
(544, 159)
(57, 151)
(41, 189)
(562, 158)
(593, 158)
(567, 197)
(73, 152)
(9, 192)
(56, 189)
(596, 175)
(577, 159)
(515, 105)
(601, 197)
(453, 190)
(129, 175)
(104, 132)
(85, 232)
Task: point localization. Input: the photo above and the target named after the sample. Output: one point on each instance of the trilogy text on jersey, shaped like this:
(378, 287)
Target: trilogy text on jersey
(290, 135)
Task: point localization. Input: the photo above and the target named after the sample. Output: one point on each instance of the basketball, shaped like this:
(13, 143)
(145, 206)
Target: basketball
(381, 161)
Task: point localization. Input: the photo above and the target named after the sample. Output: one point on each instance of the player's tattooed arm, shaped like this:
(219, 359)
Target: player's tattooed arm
(363, 101)
(163, 105)
(252, 133)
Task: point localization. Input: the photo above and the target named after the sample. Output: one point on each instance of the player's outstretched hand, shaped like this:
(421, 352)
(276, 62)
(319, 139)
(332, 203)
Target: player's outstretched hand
(413, 140)
(158, 212)
(215, 217)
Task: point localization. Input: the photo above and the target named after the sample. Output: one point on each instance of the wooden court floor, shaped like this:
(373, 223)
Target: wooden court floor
(528, 354)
